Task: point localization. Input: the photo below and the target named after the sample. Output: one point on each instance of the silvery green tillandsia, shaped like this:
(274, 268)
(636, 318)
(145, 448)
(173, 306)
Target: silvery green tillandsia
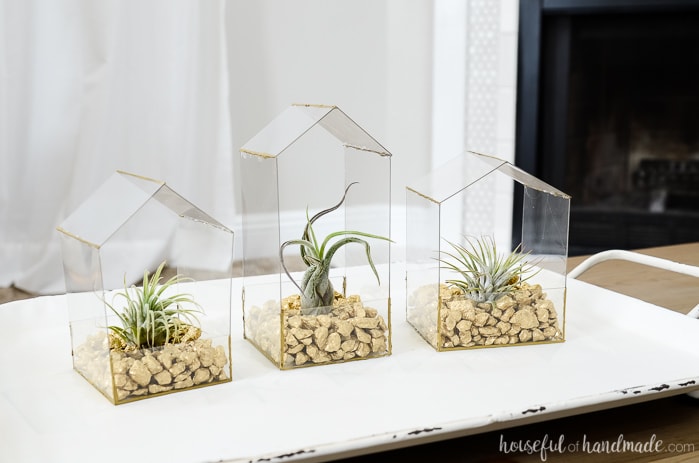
(485, 275)
(317, 292)
(149, 318)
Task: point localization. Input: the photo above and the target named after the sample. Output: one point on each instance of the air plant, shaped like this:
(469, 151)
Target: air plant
(486, 275)
(148, 318)
(317, 292)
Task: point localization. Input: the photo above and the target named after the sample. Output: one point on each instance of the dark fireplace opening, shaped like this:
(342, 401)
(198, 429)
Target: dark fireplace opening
(615, 119)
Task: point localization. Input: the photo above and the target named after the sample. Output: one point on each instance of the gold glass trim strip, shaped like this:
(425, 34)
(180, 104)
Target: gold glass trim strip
(361, 148)
(308, 105)
(371, 356)
(115, 401)
(266, 354)
(282, 337)
(497, 346)
(390, 328)
(148, 179)
(257, 153)
(172, 391)
(420, 194)
(565, 305)
(82, 240)
(93, 384)
(438, 339)
(423, 335)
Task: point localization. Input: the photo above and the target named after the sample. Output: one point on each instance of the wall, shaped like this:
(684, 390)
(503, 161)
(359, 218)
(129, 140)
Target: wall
(428, 79)
(370, 58)
(474, 98)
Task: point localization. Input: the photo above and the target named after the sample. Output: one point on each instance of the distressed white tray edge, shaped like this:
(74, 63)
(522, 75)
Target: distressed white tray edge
(411, 437)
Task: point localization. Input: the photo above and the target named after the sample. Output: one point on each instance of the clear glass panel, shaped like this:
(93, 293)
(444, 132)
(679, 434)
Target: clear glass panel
(292, 124)
(453, 176)
(545, 228)
(349, 133)
(367, 210)
(284, 130)
(107, 209)
(262, 308)
(140, 243)
(532, 182)
(466, 286)
(260, 197)
(333, 172)
(152, 228)
(88, 320)
(422, 230)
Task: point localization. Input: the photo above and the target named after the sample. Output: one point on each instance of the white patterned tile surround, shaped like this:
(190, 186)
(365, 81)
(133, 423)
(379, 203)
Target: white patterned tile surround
(485, 66)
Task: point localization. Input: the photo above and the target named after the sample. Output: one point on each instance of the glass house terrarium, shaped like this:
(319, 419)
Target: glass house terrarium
(148, 283)
(316, 242)
(469, 282)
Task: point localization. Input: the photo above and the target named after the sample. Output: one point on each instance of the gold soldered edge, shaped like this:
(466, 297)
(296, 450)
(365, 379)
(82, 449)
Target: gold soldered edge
(361, 148)
(422, 195)
(310, 105)
(148, 179)
(73, 235)
(257, 153)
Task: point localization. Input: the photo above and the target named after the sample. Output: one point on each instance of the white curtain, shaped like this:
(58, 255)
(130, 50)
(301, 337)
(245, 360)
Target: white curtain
(91, 86)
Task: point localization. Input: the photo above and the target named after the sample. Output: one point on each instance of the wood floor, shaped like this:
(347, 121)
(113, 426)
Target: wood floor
(13, 294)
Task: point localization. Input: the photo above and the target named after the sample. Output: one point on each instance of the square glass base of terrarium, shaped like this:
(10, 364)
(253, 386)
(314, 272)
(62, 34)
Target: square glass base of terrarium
(449, 320)
(127, 374)
(349, 330)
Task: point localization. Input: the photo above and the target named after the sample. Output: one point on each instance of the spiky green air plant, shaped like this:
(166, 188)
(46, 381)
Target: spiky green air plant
(485, 275)
(148, 318)
(317, 292)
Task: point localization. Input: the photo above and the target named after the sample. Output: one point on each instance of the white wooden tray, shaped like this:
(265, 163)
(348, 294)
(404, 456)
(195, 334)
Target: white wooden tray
(619, 350)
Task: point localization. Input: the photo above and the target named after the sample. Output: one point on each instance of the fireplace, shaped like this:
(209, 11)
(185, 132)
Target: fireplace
(608, 111)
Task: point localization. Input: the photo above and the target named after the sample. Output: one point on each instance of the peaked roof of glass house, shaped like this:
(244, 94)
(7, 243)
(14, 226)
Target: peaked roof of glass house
(462, 171)
(117, 200)
(291, 124)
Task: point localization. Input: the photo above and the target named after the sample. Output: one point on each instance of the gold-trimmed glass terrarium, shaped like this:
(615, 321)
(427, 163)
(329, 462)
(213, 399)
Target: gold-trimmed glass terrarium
(148, 283)
(469, 282)
(316, 242)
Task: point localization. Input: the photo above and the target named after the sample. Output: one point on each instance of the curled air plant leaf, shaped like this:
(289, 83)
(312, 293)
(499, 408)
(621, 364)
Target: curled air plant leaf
(317, 292)
(485, 275)
(148, 318)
